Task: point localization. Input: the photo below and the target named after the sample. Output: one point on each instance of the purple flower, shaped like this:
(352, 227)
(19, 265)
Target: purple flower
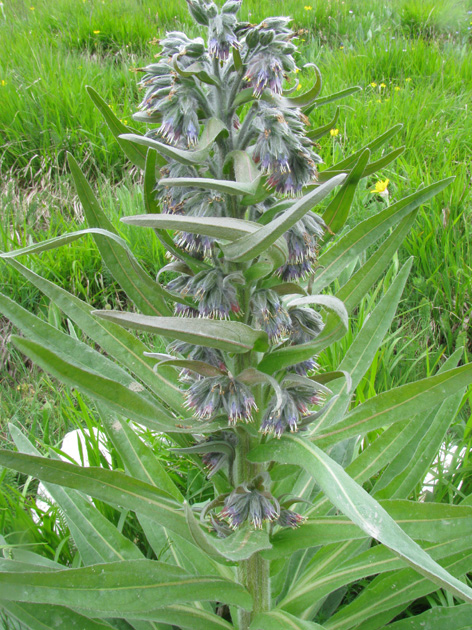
(288, 518)
(213, 395)
(265, 70)
(270, 314)
(249, 503)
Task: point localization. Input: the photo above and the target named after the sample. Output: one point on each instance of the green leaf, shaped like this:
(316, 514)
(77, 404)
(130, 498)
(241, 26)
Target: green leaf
(147, 294)
(363, 279)
(335, 260)
(226, 336)
(112, 487)
(125, 400)
(68, 347)
(247, 248)
(49, 617)
(280, 620)
(329, 302)
(361, 353)
(118, 588)
(221, 185)
(317, 582)
(216, 227)
(318, 133)
(359, 506)
(308, 97)
(96, 538)
(396, 404)
(132, 152)
(336, 213)
(432, 522)
(213, 130)
(386, 593)
(438, 618)
(325, 100)
(115, 341)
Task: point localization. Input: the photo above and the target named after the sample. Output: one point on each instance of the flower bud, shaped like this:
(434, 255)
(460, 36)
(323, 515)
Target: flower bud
(199, 11)
(252, 38)
(232, 6)
(267, 37)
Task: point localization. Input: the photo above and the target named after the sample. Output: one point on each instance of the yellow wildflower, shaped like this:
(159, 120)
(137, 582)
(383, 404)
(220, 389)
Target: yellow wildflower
(96, 32)
(373, 84)
(341, 48)
(299, 87)
(379, 100)
(382, 85)
(3, 82)
(297, 70)
(381, 188)
(397, 88)
(408, 79)
(31, 8)
(333, 132)
(308, 8)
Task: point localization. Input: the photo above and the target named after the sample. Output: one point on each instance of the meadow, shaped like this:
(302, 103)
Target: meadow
(413, 61)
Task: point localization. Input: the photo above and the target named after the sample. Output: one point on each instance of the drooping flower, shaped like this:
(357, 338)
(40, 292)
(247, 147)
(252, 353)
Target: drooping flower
(250, 502)
(216, 460)
(212, 395)
(289, 518)
(270, 314)
(285, 416)
(306, 324)
(197, 353)
(302, 242)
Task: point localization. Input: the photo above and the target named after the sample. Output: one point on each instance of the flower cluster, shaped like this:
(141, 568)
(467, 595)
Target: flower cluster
(302, 242)
(250, 502)
(270, 314)
(285, 415)
(216, 460)
(281, 149)
(270, 55)
(170, 95)
(214, 291)
(213, 395)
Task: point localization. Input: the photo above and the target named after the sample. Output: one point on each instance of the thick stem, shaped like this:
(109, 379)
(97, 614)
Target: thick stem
(254, 574)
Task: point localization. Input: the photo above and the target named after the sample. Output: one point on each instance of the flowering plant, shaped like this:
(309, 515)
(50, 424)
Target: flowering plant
(231, 184)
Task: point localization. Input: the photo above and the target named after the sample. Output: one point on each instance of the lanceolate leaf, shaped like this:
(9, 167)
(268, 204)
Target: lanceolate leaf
(216, 227)
(318, 133)
(433, 522)
(396, 404)
(254, 244)
(97, 539)
(226, 336)
(186, 616)
(114, 589)
(148, 296)
(332, 262)
(437, 618)
(115, 340)
(325, 100)
(338, 210)
(308, 97)
(126, 400)
(49, 617)
(362, 280)
(112, 487)
(221, 185)
(280, 620)
(359, 506)
(184, 157)
(133, 152)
